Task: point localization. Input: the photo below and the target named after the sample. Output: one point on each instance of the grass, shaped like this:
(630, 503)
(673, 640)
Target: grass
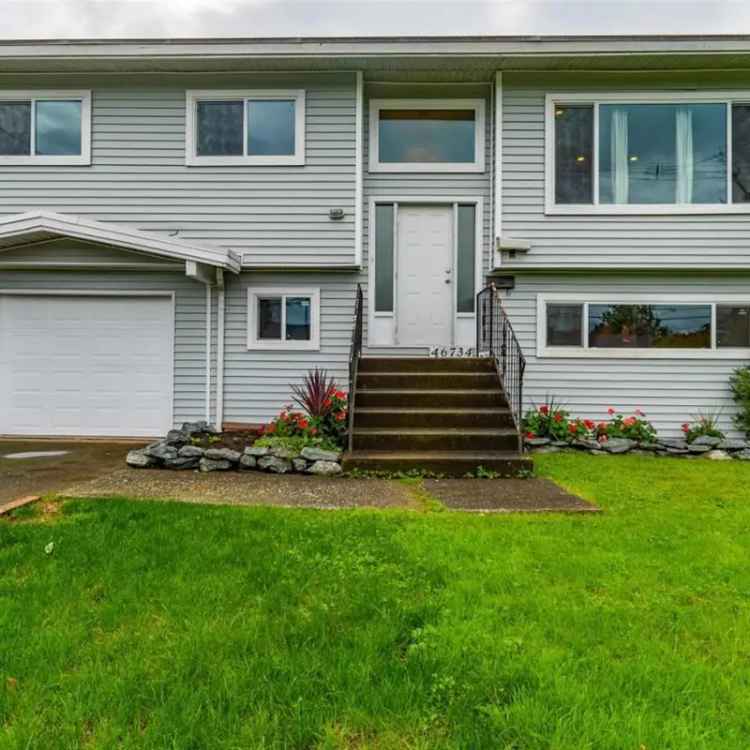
(155, 625)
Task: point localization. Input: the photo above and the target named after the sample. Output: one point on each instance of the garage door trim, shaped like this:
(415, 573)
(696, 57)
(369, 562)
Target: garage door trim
(168, 293)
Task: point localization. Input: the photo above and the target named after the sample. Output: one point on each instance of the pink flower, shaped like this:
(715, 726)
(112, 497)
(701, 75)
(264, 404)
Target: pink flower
(610, 411)
(639, 413)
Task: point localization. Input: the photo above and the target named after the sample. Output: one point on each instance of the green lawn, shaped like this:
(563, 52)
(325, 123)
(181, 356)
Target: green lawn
(155, 625)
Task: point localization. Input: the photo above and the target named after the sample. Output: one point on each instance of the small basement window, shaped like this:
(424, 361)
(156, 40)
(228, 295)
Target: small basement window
(285, 318)
(640, 327)
(251, 127)
(45, 127)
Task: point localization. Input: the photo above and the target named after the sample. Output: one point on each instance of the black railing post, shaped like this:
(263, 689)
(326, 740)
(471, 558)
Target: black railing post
(355, 352)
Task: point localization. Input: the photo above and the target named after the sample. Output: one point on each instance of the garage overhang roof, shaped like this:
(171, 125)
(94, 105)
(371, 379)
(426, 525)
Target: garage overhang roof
(41, 226)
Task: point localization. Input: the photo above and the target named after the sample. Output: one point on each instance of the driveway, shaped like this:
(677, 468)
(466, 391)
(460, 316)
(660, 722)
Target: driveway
(39, 476)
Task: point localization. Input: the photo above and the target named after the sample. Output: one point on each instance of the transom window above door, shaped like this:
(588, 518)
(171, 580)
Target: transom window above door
(427, 135)
(45, 127)
(630, 153)
(245, 127)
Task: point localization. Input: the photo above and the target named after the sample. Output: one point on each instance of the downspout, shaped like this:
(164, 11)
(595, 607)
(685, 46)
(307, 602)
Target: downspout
(358, 168)
(220, 349)
(208, 353)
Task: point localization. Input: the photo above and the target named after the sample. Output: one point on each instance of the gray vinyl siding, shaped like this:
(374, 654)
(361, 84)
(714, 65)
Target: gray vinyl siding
(271, 215)
(581, 241)
(424, 184)
(257, 383)
(670, 391)
(190, 320)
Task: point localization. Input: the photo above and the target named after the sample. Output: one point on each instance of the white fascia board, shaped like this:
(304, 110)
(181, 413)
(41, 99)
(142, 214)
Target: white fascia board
(67, 225)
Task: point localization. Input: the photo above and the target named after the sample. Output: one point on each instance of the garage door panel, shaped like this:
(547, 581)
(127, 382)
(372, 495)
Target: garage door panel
(85, 365)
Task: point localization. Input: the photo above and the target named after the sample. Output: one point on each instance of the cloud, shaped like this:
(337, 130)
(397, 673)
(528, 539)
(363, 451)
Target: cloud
(23, 19)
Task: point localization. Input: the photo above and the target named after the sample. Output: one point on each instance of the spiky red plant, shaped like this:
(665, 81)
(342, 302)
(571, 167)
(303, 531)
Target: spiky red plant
(315, 393)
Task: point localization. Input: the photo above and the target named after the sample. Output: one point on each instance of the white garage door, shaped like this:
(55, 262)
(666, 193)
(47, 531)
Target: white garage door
(85, 365)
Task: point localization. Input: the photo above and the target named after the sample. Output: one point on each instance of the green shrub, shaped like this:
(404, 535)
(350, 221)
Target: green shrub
(548, 420)
(296, 443)
(702, 425)
(739, 382)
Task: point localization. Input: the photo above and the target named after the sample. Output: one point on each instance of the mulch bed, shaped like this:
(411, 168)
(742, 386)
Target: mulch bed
(506, 496)
(236, 440)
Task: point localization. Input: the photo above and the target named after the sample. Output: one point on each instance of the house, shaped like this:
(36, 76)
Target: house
(184, 223)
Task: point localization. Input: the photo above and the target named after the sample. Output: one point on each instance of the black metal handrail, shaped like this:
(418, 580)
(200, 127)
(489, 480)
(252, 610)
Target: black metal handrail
(355, 352)
(496, 338)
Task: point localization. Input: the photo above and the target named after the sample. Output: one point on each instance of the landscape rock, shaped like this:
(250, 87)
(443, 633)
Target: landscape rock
(537, 442)
(560, 443)
(194, 428)
(139, 459)
(677, 452)
(318, 454)
(617, 445)
(597, 452)
(717, 455)
(176, 437)
(325, 468)
(223, 454)
(161, 451)
(257, 452)
(708, 440)
(247, 461)
(587, 445)
(653, 447)
(207, 464)
(547, 449)
(299, 464)
(732, 445)
(696, 447)
(275, 464)
(743, 455)
(185, 462)
(679, 443)
(280, 452)
(190, 451)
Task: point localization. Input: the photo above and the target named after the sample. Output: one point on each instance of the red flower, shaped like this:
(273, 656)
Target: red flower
(340, 416)
(314, 431)
(602, 426)
(327, 404)
(340, 395)
(610, 411)
(271, 427)
(544, 409)
(261, 429)
(283, 416)
(588, 424)
(629, 421)
(686, 427)
(303, 423)
(558, 417)
(530, 435)
(573, 428)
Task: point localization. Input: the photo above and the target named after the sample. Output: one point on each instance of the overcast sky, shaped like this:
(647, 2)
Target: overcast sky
(27, 19)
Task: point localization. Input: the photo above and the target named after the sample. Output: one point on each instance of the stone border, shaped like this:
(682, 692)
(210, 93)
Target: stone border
(178, 452)
(703, 446)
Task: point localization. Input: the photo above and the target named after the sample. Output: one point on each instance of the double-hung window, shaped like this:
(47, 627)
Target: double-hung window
(260, 127)
(648, 153)
(283, 318)
(642, 326)
(427, 135)
(45, 127)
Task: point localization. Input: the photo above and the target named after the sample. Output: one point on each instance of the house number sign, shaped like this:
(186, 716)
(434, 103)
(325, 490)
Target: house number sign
(441, 352)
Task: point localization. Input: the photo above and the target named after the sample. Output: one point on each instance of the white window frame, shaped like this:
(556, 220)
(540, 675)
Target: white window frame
(192, 97)
(585, 352)
(256, 292)
(34, 95)
(662, 97)
(478, 165)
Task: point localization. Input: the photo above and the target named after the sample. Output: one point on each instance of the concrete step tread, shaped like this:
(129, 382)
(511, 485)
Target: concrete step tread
(428, 374)
(434, 391)
(429, 410)
(482, 431)
(437, 455)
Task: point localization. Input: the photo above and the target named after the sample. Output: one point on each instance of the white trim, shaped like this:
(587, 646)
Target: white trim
(478, 165)
(594, 98)
(193, 96)
(209, 312)
(584, 352)
(170, 293)
(220, 351)
(254, 343)
(34, 95)
(359, 159)
(406, 200)
(119, 235)
(496, 255)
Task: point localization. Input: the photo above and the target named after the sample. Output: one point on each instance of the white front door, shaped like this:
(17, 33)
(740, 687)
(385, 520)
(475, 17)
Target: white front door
(424, 281)
(85, 365)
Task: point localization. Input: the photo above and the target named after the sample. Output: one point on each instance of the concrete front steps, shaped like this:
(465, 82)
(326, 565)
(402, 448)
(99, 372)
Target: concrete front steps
(446, 416)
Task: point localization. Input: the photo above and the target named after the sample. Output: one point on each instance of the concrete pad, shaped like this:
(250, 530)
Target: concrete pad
(506, 496)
